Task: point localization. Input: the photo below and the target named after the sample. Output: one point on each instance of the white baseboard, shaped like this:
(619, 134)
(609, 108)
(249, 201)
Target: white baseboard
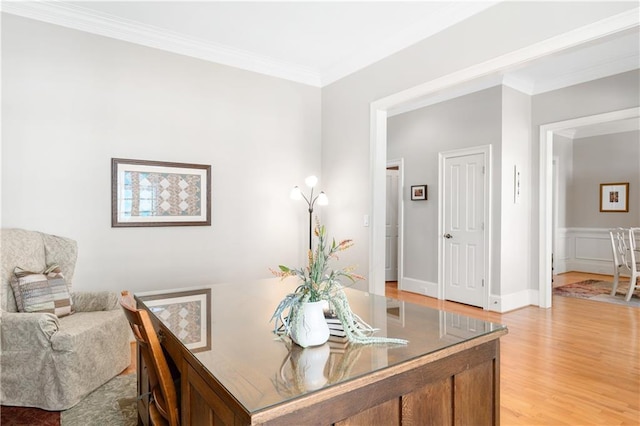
(510, 302)
(590, 266)
(560, 266)
(419, 286)
(500, 304)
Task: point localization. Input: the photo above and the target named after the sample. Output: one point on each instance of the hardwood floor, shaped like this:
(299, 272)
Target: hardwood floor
(574, 277)
(574, 364)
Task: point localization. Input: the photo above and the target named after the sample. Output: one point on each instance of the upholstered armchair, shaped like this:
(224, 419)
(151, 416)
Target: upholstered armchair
(48, 360)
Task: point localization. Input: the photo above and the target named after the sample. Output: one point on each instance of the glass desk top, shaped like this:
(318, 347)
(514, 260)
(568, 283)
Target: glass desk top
(227, 328)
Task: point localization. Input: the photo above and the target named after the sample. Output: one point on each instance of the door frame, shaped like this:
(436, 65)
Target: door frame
(546, 192)
(400, 164)
(488, 219)
(379, 109)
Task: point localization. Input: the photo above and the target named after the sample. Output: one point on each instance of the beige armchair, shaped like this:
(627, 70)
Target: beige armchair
(49, 362)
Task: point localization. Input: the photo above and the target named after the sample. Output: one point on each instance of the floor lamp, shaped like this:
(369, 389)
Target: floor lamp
(321, 199)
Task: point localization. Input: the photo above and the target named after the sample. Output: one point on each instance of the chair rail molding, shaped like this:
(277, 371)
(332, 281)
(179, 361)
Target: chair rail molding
(583, 250)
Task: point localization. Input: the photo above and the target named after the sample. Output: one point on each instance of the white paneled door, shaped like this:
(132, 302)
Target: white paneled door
(391, 232)
(464, 216)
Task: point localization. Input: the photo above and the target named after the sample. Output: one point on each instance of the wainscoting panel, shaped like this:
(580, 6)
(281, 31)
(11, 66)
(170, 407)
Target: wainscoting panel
(583, 250)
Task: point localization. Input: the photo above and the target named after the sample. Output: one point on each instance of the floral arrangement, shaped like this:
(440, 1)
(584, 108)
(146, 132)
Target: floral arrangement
(319, 283)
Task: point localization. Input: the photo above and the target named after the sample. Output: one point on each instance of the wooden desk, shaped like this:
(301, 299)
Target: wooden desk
(447, 374)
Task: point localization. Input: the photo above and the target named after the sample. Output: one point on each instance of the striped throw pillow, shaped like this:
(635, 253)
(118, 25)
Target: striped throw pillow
(46, 291)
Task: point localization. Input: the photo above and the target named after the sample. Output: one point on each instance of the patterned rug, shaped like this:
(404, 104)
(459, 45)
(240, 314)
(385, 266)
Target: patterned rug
(111, 404)
(599, 291)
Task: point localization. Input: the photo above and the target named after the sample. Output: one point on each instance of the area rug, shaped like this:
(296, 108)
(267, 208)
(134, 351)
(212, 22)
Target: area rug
(599, 291)
(111, 404)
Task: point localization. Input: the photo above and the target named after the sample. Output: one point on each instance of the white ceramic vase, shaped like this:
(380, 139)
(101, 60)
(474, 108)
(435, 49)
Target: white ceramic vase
(311, 365)
(312, 329)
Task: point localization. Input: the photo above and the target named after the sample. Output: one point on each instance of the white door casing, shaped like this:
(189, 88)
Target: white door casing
(464, 200)
(391, 226)
(546, 194)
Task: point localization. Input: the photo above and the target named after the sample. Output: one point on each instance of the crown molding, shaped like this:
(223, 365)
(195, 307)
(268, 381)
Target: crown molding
(606, 128)
(91, 21)
(487, 82)
(602, 70)
(448, 16)
(88, 20)
(479, 76)
(567, 133)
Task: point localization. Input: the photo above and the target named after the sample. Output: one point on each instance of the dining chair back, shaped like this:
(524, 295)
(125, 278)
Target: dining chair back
(634, 261)
(163, 401)
(625, 257)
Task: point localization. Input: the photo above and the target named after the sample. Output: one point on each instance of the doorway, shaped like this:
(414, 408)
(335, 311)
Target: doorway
(394, 222)
(546, 192)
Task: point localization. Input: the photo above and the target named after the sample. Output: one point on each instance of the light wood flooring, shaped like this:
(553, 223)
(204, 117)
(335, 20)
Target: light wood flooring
(574, 277)
(574, 364)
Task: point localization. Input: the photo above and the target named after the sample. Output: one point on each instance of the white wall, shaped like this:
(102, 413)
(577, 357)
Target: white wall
(346, 156)
(604, 159)
(563, 158)
(515, 254)
(71, 101)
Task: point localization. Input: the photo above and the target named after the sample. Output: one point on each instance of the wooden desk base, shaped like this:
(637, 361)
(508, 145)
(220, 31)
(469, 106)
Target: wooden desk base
(460, 389)
(457, 388)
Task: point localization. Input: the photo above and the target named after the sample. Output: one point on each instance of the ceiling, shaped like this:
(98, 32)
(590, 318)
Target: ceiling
(315, 43)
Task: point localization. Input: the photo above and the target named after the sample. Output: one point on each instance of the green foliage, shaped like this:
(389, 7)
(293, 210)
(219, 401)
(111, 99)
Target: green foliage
(317, 282)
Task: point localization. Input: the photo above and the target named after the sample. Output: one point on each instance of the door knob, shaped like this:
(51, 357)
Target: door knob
(447, 236)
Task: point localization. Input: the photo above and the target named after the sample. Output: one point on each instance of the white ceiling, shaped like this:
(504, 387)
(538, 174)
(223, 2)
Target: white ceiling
(314, 43)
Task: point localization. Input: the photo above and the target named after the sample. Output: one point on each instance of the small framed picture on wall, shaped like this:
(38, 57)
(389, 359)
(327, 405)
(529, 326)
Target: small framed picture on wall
(418, 192)
(614, 197)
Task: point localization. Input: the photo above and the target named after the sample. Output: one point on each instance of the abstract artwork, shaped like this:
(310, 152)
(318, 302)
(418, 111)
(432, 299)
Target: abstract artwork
(186, 314)
(152, 193)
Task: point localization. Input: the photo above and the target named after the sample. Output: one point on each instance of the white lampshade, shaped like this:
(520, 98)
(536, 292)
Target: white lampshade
(311, 181)
(323, 200)
(296, 194)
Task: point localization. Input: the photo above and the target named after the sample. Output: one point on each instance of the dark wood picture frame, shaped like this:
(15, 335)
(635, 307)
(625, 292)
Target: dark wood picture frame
(418, 192)
(175, 194)
(187, 299)
(614, 197)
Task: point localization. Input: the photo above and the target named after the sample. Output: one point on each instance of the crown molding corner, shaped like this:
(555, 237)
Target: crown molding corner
(90, 21)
